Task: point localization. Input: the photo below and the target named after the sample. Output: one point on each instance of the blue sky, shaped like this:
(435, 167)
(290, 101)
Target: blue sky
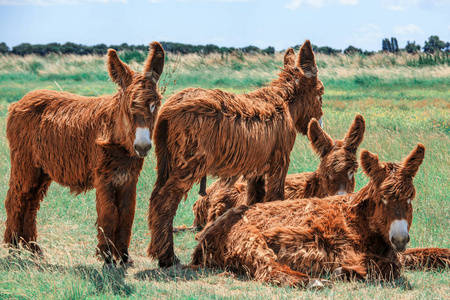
(238, 23)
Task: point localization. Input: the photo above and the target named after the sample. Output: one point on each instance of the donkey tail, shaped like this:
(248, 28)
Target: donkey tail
(425, 258)
(162, 163)
(162, 153)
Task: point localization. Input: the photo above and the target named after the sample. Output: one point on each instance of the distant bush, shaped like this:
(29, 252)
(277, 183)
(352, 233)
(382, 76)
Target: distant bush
(434, 44)
(137, 56)
(439, 58)
(101, 49)
(351, 50)
(4, 49)
(411, 47)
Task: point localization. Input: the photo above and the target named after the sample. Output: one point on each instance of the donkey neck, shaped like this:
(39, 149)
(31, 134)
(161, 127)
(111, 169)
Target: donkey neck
(281, 89)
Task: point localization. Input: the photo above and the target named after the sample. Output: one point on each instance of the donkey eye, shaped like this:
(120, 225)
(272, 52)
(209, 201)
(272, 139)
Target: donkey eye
(152, 107)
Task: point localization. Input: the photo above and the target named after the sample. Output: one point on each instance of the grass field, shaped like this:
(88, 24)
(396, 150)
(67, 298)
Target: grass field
(403, 104)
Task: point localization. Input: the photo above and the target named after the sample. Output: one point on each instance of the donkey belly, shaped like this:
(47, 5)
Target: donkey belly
(236, 159)
(66, 160)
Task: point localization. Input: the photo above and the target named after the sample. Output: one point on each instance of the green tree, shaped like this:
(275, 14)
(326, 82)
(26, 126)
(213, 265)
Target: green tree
(350, 50)
(433, 44)
(22, 49)
(394, 44)
(4, 49)
(411, 47)
(386, 45)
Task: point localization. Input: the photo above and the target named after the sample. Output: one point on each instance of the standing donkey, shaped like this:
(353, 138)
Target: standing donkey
(200, 132)
(84, 143)
(335, 175)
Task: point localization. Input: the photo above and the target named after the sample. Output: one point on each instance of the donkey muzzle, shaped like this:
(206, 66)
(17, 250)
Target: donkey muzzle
(142, 142)
(398, 235)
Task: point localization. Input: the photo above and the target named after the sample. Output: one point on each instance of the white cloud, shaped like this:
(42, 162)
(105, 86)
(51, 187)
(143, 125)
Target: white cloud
(294, 4)
(56, 2)
(408, 29)
(400, 5)
(348, 2)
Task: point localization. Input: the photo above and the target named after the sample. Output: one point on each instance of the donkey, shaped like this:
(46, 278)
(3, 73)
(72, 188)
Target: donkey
(84, 143)
(353, 235)
(200, 132)
(335, 175)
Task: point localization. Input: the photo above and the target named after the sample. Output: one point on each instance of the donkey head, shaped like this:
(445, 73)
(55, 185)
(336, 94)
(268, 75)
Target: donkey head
(338, 162)
(139, 99)
(391, 195)
(308, 89)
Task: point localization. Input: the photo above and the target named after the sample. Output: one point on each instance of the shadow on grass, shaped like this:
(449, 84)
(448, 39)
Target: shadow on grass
(107, 279)
(175, 273)
(400, 283)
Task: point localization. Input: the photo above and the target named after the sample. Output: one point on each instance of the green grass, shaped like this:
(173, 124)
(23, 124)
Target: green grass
(402, 106)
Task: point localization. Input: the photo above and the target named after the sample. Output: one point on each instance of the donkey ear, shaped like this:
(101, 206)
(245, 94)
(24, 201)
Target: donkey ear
(155, 62)
(119, 72)
(355, 134)
(306, 60)
(321, 142)
(411, 164)
(289, 57)
(372, 166)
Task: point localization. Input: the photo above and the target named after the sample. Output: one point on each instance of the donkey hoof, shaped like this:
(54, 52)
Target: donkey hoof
(337, 273)
(108, 266)
(167, 263)
(127, 263)
(318, 284)
(35, 249)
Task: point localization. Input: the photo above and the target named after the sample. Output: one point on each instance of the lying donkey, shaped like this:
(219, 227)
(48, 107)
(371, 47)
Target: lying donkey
(350, 235)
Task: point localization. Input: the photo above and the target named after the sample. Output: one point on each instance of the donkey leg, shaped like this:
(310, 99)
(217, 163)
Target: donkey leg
(425, 258)
(275, 180)
(29, 219)
(352, 266)
(255, 190)
(383, 267)
(246, 250)
(126, 202)
(163, 207)
(27, 187)
(107, 220)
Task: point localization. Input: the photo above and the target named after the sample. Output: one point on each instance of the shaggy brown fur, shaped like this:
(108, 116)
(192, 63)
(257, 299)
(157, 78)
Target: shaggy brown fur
(425, 258)
(348, 235)
(83, 143)
(335, 175)
(200, 132)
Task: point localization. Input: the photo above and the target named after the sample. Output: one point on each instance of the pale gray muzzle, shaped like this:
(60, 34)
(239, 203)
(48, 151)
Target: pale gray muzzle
(398, 234)
(142, 142)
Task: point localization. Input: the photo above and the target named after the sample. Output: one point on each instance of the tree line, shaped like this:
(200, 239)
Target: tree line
(432, 45)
